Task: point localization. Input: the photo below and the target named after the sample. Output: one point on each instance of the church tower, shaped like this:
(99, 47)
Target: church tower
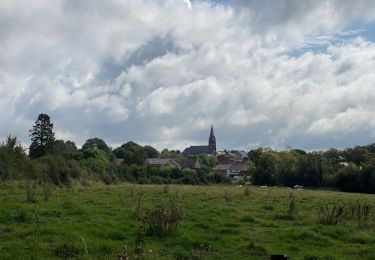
(212, 141)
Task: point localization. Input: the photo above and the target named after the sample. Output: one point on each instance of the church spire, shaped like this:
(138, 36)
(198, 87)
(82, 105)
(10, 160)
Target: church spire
(212, 141)
(212, 131)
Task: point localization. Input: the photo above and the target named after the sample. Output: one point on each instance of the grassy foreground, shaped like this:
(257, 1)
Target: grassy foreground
(220, 222)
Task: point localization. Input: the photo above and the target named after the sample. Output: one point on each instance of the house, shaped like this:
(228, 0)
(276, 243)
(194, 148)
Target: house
(232, 156)
(159, 162)
(118, 161)
(191, 164)
(209, 149)
(236, 170)
(222, 168)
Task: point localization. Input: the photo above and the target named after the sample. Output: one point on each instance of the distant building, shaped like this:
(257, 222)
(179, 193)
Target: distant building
(222, 168)
(237, 170)
(191, 163)
(232, 156)
(118, 161)
(209, 149)
(159, 162)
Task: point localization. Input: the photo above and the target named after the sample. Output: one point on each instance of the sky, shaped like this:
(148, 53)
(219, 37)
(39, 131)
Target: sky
(275, 73)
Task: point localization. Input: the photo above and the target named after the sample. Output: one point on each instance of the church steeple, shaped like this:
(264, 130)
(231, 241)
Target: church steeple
(212, 141)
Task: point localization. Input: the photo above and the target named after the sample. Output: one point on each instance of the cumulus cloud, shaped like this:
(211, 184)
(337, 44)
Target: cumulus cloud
(271, 73)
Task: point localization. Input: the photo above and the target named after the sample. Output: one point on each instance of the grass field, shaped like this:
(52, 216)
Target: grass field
(220, 222)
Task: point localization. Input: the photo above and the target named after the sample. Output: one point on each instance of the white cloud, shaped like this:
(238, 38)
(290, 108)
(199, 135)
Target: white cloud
(161, 72)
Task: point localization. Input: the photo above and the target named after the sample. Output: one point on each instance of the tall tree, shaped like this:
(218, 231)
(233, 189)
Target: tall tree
(151, 152)
(96, 143)
(42, 136)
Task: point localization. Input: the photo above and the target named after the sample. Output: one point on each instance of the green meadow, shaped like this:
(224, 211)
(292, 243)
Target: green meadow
(219, 222)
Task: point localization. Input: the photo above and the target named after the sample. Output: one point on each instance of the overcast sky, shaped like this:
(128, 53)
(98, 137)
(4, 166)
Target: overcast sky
(272, 73)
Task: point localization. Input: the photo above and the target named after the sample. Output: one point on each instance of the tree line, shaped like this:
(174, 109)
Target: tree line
(351, 169)
(61, 162)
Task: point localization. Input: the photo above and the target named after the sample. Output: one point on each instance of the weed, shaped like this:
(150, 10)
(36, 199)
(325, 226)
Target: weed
(166, 188)
(139, 243)
(246, 191)
(34, 242)
(269, 201)
(256, 250)
(138, 204)
(47, 189)
(68, 250)
(131, 192)
(292, 210)
(330, 215)
(361, 213)
(19, 215)
(123, 198)
(228, 196)
(30, 188)
(124, 255)
(85, 246)
(164, 220)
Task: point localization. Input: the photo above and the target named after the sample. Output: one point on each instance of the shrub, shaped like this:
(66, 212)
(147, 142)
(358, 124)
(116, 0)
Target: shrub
(164, 220)
(330, 215)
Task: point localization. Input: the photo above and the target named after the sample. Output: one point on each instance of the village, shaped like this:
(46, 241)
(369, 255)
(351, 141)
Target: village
(231, 163)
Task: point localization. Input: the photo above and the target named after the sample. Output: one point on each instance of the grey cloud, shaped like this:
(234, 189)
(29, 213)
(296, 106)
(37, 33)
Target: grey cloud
(158, 72)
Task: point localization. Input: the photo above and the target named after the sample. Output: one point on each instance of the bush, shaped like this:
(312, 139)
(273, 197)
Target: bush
(164, 220)
(59, 170)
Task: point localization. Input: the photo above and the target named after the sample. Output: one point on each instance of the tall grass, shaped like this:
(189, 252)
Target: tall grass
(330, 214)
(30, 188)
(163, 220)
(228, 197)
(47, 189)
(360, 213)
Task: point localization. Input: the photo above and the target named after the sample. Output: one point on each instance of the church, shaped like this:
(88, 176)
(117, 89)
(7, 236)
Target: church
(209, 149)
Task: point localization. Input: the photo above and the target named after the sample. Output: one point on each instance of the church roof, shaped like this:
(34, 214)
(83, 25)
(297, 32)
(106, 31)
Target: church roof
(201, 149)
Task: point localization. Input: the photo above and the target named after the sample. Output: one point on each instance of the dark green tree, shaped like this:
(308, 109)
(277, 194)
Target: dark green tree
(131, 152)
(14, 163)
(96, 143)
(170, 154)
(151, 152)
(42, 136)
(67, 149)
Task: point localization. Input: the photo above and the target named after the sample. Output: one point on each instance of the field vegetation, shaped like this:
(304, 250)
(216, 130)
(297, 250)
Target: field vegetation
(131, 221)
